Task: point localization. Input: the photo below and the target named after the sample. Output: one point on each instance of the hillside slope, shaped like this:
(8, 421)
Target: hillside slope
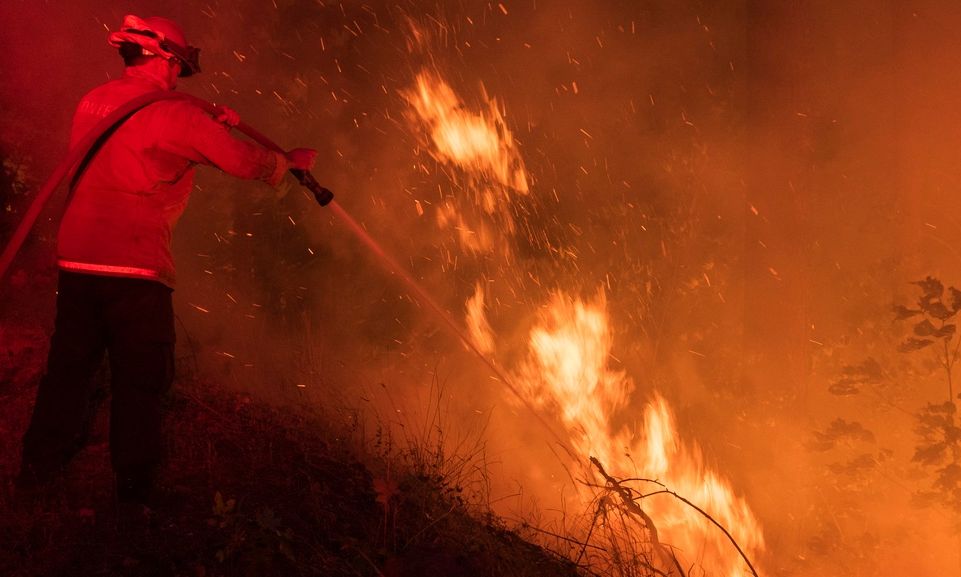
(248, 490)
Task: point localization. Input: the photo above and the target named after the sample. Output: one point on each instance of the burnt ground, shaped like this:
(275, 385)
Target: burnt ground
(249, 489)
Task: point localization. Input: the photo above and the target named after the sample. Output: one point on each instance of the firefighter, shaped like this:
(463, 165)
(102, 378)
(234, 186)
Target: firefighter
(116, 273)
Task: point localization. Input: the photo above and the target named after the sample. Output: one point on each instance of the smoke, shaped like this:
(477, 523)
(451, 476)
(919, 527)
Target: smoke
(751, 185)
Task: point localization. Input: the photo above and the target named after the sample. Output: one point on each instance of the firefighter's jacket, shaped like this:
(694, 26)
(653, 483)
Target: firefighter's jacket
(125, 204)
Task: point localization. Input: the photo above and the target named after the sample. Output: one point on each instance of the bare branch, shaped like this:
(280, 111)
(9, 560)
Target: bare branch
(626, 493)
(626, 497)
(712, 520)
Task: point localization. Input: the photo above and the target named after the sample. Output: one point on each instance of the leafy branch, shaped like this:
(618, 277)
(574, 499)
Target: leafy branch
(940, 449)
(936, 310)
(938, 427)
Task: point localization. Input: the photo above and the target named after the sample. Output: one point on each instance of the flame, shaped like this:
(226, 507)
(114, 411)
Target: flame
(478, 143)
(477, 325)
(567, 370)
(681, 467)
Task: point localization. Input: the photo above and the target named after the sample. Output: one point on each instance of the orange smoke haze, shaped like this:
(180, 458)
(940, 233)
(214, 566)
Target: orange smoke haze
(677, 227)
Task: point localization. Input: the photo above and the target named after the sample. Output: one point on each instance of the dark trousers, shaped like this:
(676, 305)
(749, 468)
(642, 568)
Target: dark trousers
(132, 321)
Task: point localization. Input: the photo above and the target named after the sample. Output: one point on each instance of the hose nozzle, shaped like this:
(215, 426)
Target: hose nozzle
(322, 195)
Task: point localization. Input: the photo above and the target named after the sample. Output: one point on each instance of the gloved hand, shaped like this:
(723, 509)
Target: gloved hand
(300, 161)
(227, 116)
(301, 158)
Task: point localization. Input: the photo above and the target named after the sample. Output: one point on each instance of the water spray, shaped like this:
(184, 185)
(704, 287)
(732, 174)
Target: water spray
(426, 299)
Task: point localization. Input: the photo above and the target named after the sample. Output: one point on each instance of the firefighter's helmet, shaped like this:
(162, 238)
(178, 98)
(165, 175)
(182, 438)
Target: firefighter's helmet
(157, 36)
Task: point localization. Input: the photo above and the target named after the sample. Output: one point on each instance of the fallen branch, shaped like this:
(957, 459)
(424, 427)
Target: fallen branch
(626, 497)
(627, 491)
(712, 520)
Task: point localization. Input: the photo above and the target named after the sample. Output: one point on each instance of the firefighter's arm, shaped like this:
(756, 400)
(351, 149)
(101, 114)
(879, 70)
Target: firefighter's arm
(202, 139)
(297, 158)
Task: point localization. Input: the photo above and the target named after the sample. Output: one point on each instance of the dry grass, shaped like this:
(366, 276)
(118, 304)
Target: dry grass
(257, 490)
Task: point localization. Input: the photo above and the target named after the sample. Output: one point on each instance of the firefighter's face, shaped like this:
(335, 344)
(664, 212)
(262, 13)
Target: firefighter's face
(173, 72)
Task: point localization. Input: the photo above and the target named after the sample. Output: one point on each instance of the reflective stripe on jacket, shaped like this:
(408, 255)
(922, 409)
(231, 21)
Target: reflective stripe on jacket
(126, 203)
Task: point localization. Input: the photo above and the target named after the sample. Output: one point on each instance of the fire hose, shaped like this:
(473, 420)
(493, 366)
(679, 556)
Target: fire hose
(87, 147)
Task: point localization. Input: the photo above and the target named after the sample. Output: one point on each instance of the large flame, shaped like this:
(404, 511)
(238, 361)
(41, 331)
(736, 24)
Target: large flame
(477, 142)
(567, 370)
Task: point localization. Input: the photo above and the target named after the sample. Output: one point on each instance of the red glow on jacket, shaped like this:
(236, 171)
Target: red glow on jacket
(128, 200)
